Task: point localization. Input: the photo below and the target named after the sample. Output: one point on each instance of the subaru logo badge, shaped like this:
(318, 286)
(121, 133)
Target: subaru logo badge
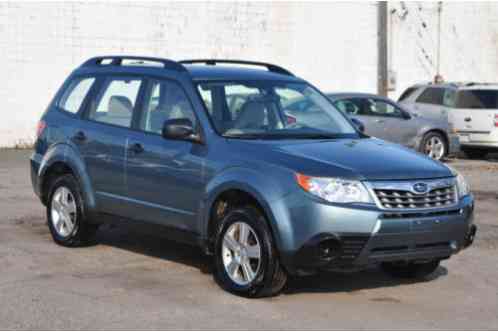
(420, 188)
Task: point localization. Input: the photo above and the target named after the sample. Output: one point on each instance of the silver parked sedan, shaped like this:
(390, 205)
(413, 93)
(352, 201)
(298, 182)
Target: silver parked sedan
(388, 120)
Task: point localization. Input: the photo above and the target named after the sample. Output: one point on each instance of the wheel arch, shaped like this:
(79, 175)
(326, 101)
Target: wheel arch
(256, 190)
(63, 159)
(439, 131)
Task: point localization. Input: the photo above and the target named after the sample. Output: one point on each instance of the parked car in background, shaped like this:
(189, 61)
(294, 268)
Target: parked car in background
(471, 108)
(386, 119)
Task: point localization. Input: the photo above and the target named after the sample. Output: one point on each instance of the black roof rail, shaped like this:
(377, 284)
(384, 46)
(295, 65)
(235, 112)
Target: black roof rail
(213, 62)
(117, 60)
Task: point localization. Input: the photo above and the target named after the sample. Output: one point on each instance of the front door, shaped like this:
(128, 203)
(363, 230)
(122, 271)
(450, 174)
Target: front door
(164, 177)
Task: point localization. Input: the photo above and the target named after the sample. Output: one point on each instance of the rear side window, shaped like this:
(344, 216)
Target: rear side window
(477, 99)
(433, 96)
(407, 93)
(116, 101)
(73, 97)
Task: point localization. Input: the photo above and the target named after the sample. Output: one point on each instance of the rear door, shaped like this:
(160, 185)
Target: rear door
(474, 114)
(103, 137)
(430, 104)
(396, 127)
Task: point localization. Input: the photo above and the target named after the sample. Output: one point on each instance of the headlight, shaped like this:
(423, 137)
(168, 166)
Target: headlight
(462, 186)
(334, 190)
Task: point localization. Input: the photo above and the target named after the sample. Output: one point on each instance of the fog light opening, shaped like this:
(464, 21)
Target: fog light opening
(328, 249)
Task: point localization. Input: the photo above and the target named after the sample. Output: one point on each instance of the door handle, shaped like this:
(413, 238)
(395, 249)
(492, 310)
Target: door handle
(468, 119)
(379, 121)
(79, 136)
(136, 147)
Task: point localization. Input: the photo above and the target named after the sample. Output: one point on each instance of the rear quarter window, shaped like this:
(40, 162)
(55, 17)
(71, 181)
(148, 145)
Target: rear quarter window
(407, 93)
(74, 95)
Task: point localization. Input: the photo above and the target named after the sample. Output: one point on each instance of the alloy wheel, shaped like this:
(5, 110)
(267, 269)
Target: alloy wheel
(241, 253)
(63, 211)
(434, 147)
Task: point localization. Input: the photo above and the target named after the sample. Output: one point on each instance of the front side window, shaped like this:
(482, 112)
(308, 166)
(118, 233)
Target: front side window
(75, 94)
(477, 99)
(349, 106)
(266, 109)
(382, 108)
(433, 96)
(165, 100)
(116, 101)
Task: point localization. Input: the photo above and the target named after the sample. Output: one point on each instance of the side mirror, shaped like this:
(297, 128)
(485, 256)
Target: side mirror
(359, 125)
(179, 129)
(407, 115)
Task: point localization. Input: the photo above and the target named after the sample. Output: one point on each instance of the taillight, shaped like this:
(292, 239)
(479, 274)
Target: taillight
(496, 120)
(40, 127)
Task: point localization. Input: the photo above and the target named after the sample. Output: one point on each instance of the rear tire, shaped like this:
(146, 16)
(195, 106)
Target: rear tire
(475, 153)
(66, 217)
(239, 271)
(406, 270)
(434, 145)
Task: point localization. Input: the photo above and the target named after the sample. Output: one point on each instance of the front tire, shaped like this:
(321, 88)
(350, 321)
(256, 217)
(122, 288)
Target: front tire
(66, 217)
(406, 270)
(246, 261)
(434, 145)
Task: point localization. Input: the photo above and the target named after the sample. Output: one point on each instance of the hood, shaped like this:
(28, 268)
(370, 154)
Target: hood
(363, 159)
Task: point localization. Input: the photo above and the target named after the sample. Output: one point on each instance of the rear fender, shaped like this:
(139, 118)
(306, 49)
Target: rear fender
(64, 153)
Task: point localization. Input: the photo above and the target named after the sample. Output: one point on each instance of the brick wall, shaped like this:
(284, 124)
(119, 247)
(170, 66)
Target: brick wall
(469, 42)
(40, 43)
(333, 45)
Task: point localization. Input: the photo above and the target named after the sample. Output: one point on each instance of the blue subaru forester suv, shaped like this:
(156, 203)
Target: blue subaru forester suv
(205, 152)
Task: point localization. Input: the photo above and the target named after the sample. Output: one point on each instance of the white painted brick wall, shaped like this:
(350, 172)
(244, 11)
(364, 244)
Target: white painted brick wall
(331, 44)
(469, 42)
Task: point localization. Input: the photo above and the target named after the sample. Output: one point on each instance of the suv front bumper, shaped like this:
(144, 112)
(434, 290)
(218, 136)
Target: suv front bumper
(353, 238)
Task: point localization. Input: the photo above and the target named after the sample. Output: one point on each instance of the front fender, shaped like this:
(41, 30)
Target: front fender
(265, 187)
(67, 155)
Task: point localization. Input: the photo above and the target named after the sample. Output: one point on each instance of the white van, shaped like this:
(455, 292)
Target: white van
(470, 108)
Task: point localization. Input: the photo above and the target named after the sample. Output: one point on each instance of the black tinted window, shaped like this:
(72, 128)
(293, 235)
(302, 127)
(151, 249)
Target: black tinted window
(408, 92)
(432, 96)
(486, 99)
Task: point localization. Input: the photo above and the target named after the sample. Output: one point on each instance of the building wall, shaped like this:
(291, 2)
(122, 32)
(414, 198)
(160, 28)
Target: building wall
(40, 43)
(469, 42)
(333, 45)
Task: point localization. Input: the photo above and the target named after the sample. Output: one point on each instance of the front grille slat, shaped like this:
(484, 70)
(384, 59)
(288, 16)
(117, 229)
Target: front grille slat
(403, 199)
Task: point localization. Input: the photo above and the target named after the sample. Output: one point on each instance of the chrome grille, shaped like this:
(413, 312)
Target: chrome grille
(404, 199)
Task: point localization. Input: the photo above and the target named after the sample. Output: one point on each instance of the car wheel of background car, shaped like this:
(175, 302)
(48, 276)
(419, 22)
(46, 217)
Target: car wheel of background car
(475, 153)
(65, 213)
(246, 261)
(410, 269)
(434, 145)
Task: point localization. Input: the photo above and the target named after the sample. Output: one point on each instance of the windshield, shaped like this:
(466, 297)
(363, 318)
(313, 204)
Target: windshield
(266, 109)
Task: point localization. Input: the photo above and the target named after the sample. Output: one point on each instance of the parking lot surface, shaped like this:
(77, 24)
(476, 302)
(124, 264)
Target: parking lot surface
(133, 281)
